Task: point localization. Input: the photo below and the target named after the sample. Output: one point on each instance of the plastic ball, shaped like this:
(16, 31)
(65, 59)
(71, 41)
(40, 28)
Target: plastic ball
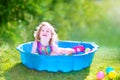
(79, 48)
(100, 75)
(109, 69)
(112, 74)
(87, 50)
(82, 49)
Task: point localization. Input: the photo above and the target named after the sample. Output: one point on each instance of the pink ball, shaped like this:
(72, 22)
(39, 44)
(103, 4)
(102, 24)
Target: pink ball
(82, 48)
(100, 75)
(79, 48)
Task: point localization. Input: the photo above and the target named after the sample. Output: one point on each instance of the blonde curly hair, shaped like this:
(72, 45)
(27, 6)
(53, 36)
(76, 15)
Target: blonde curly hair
(54, 38)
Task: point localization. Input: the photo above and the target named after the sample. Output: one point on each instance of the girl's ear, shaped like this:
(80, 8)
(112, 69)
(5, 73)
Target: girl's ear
(51, 34)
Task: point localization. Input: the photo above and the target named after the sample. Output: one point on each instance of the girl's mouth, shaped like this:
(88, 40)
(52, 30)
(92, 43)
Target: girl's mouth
(44, 35)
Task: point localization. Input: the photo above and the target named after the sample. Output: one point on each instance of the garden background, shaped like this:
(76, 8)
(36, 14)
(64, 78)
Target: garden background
(77, 20)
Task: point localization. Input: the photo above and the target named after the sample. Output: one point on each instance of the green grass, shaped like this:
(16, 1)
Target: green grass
(11, 67)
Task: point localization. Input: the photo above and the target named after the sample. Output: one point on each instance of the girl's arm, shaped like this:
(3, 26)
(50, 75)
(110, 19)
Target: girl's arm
(55, 50)
(66, 51)
(34, 47)
(60, 51)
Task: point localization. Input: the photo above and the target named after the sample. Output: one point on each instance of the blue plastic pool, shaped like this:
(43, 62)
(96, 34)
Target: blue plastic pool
(57, 63)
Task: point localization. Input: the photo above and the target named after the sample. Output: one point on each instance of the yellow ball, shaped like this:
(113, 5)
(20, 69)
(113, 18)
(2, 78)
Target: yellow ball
(112, 74)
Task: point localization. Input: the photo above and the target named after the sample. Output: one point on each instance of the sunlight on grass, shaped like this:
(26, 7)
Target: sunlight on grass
(105, 57)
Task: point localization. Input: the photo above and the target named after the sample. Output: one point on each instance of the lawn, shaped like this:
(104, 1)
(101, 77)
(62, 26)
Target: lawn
(11, 67)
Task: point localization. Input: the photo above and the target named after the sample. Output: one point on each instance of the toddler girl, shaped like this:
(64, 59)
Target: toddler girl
(45, 41)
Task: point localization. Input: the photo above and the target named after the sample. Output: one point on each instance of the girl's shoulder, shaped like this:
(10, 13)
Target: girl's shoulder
(55, 48)
(35, 43)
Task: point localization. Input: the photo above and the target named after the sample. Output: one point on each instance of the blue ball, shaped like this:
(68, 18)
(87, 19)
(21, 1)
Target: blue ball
(109, 69)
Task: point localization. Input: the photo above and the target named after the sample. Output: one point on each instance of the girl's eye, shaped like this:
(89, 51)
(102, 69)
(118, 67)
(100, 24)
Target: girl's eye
(42, 30)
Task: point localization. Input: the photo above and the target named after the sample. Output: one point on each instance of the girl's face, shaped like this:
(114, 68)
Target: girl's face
(45, 33)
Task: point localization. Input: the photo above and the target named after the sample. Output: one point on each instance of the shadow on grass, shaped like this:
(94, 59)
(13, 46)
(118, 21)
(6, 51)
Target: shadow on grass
(21, 72)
